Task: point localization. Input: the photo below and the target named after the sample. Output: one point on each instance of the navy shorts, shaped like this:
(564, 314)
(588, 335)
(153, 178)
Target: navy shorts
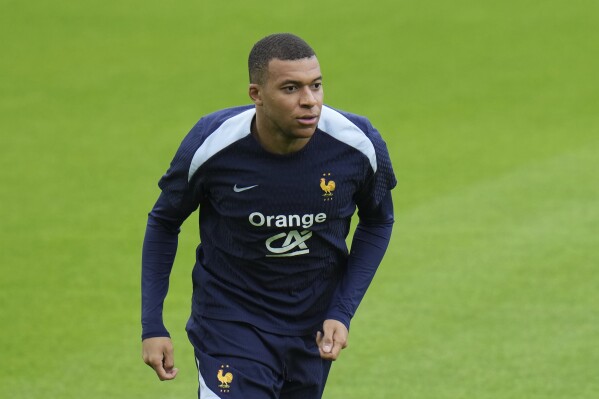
(239, 361)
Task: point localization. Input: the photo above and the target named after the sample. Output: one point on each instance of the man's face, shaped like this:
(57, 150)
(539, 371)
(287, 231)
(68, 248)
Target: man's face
(289, 101)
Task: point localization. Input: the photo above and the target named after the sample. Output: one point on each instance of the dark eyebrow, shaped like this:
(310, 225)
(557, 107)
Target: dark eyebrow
(298, 83)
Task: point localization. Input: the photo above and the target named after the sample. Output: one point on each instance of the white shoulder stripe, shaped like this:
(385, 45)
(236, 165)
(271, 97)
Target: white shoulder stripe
(230, 131)
(341, 128)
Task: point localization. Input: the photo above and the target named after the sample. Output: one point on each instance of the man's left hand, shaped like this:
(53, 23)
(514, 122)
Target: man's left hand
(332, 340)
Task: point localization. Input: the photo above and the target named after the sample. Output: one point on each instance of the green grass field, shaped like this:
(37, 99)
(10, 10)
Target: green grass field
(489, 109)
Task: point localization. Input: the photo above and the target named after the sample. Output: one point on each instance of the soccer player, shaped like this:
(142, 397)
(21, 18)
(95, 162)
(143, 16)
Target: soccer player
(276, 184)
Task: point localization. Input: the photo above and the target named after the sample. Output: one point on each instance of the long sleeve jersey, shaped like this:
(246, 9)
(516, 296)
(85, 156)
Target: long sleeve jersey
(273, 228)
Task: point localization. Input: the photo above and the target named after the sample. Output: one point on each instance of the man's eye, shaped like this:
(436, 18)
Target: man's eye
(290, 89)
(317, 86)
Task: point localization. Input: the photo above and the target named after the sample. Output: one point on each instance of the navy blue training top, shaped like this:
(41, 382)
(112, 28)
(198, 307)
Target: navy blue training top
(273, 227)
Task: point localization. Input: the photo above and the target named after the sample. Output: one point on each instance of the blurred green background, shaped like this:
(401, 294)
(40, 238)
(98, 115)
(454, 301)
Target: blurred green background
(489, 109)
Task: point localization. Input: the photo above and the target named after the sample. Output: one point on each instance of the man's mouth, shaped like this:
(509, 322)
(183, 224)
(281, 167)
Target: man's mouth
(308, 119)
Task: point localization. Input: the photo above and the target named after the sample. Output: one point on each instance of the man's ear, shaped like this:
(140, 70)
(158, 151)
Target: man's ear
(255, 93)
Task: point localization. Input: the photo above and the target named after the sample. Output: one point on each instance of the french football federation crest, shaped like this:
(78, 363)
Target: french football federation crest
(327, 187)
(225, 379)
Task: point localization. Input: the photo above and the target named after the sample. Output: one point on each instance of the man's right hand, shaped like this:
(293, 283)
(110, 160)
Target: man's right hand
(158, 354)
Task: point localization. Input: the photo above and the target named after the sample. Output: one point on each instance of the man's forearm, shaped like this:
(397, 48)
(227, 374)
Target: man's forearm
(369, 244)
(158, 256)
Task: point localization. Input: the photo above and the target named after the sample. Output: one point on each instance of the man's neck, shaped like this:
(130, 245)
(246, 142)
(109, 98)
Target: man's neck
(276, 143)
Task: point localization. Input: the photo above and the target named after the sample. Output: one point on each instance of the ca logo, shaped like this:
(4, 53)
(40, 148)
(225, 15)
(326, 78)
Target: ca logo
(293, 239)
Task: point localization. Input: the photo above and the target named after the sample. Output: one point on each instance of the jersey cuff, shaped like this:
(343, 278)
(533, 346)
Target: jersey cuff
(339, 316)
(155, 331)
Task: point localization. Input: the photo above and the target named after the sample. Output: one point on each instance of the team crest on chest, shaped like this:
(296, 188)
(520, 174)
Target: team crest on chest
(327, 186)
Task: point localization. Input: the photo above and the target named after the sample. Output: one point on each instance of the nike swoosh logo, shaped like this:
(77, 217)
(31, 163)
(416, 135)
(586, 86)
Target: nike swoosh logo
(240, 189)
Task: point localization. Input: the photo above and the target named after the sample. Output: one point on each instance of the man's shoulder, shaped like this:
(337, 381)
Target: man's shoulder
(353, 130)
(226, 113)
(209, 123)
(236, 121)
(334, 120)
(215, 132)
(338, 118)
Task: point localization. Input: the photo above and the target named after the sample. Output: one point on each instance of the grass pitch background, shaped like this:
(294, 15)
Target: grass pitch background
(489, 288)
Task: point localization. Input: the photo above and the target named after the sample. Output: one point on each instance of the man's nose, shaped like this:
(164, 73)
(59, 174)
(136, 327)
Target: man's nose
(307, 98)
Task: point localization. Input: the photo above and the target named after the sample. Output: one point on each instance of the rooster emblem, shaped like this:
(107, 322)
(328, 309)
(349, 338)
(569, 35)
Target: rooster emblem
(328, 188)
(225, 379)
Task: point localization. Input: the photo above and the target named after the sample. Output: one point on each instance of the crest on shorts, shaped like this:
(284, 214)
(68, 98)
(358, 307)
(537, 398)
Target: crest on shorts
(327, 186)
(225, 378)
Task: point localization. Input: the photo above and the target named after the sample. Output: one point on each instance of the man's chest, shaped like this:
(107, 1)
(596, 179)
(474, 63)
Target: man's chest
(241, 185)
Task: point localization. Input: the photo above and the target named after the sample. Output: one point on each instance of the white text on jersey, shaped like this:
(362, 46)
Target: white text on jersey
(306, 221)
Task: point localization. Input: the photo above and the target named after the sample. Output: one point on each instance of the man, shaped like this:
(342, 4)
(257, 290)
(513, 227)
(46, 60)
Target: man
(276, 184)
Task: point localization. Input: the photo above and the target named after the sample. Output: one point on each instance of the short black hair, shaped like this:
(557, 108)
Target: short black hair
(283, 46)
